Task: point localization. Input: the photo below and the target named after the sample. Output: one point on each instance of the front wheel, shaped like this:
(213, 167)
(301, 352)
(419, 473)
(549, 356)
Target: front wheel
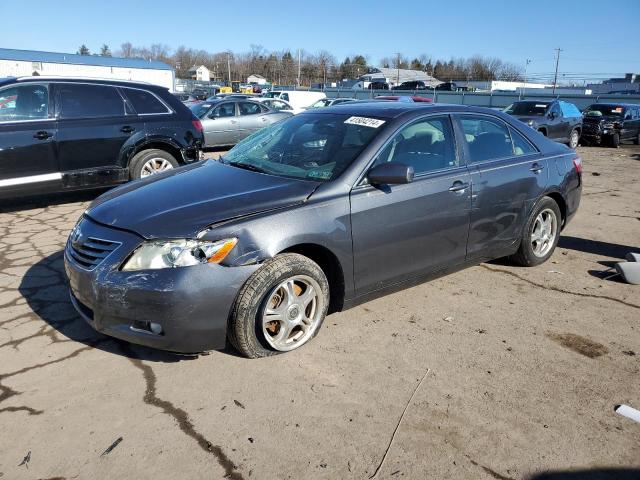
(615, 140)
(574, 138)
(280, 308)
(540, 235)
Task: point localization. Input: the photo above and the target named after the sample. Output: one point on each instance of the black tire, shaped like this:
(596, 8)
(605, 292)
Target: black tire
(142, 157)
(574, 138)
(525, 255)
(615, 140)
(637, 140)
(245, 330)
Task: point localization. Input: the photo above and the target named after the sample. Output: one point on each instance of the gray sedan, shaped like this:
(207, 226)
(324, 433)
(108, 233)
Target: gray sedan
(227, 121)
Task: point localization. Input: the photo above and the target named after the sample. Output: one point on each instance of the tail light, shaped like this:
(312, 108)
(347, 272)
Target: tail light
(197, 124)
(577, 164)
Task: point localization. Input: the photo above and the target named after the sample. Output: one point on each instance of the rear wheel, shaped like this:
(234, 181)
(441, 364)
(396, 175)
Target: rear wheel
(280, 308)
(540, 235)
(149, 162)
(574, 138)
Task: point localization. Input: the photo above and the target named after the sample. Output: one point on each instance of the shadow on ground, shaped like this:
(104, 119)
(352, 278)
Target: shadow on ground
(594, 474)
(44, 286)
(596, 247)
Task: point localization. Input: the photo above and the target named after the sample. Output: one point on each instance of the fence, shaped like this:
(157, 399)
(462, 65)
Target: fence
(485, 99)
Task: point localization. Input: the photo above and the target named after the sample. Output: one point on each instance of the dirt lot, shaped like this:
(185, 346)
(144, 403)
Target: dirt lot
(518, 371)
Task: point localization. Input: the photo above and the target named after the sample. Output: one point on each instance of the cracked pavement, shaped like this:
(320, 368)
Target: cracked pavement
(525, 368)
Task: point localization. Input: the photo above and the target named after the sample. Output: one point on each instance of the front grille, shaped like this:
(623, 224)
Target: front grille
(89, 252)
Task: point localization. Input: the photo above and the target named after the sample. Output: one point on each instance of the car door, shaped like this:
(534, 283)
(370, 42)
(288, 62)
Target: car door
(28, 133)
(93, 127)
(220, 125)
(508, 175)
(557, 124)
(251, 118)
(402, 231)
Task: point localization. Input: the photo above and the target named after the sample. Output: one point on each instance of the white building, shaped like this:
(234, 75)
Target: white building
(25, 63)
(200, 74)
(396, 76)
(256, 79)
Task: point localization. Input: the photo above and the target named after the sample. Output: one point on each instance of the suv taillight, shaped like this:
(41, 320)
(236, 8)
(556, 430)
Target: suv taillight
(577, 163)
(197, 124)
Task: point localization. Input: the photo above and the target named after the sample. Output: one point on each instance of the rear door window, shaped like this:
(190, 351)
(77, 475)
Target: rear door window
(487, 139)
(224, 110)
(145, 103)
(24, 102)
(89, 101)
(249, 108)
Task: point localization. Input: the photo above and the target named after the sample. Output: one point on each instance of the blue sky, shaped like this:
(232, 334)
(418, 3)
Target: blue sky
(598, 38)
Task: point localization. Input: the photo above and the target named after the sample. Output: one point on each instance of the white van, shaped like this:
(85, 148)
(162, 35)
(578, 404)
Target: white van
(298, 99)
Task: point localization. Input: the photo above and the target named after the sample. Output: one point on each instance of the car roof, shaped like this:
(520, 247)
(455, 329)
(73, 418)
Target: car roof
(97, 81)
(396, 109)
(614, 104)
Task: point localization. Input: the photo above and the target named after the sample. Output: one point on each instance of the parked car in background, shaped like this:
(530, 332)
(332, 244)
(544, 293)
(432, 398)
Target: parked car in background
(413, 85)
(328, 102)
(315, 214)
(378, 86)
(218, 96)
(403, 98)
(201, 93)
(228, 120)
(278, 105)
(297, 98)
(611, 123)
(65, 134)
(185, 97)
(558, 120)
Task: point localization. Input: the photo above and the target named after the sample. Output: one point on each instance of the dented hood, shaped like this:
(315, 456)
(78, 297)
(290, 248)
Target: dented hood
(181, 202)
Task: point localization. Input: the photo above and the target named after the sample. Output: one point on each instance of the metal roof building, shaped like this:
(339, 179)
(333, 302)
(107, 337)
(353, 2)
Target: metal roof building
(396, 76)
(20, 63)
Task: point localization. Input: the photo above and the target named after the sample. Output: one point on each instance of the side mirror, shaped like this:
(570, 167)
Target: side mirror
(552, 115)
(392, 173)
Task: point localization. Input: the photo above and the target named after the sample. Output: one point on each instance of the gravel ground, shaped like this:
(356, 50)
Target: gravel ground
(493, 372)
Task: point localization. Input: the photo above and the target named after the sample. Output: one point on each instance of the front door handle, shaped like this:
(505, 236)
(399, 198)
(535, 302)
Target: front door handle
(458, 187)
(42, 135)
(127, 129)
(536, 168)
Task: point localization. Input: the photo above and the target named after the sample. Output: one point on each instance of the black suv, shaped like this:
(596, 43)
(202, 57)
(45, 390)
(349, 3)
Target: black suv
(414, 85)
(611, 123)
(558, 120)
(61, 134)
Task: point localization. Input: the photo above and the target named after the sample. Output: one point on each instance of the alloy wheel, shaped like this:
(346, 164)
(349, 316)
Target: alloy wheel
(292, 312)
(155, 165)
(543, 234)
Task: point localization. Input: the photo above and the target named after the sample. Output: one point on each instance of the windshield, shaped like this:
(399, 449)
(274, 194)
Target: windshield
(200, 109)
(527, 108)
(314, 147)
(604, 110)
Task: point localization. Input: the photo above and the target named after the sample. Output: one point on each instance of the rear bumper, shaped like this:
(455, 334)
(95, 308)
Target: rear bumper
(191, 304)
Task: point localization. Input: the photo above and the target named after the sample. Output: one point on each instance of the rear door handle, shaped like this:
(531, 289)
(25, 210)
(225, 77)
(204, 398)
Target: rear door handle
(42, 135)
(458, 187)
(536, 168)
(127, 129)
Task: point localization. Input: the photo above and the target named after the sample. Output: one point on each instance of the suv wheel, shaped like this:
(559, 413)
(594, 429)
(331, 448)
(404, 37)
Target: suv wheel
(574, 138)
(540, 235)
(280, 308)
(615, 140)
(150, 162)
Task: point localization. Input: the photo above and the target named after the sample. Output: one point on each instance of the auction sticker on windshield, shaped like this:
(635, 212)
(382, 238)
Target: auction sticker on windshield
(364, 121)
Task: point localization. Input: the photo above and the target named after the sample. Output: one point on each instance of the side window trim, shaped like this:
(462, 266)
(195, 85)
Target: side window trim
(168, 111)
(362, 178)
(51, 110)
(460, 115)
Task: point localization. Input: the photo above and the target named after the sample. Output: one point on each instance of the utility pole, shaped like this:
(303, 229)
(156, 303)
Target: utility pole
(298, 67)
(398, 67)
(524, 83)
(555, 78)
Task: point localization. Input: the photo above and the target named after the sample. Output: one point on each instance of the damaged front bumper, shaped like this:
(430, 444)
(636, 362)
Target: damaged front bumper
(178, 309)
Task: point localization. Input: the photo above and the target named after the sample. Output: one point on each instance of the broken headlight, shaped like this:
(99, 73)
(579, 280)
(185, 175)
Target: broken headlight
(178, 253)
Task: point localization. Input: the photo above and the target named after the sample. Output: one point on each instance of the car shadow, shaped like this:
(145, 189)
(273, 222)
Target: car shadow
(44, 201)
(592, 474)
(44, 287)
(596, 247)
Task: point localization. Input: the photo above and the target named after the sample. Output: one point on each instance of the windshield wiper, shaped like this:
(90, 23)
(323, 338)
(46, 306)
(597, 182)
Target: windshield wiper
(247, 166)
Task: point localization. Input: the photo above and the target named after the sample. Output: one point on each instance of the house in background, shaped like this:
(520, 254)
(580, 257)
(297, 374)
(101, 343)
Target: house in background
(200, 73)
(256, 80)
(26, 63)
